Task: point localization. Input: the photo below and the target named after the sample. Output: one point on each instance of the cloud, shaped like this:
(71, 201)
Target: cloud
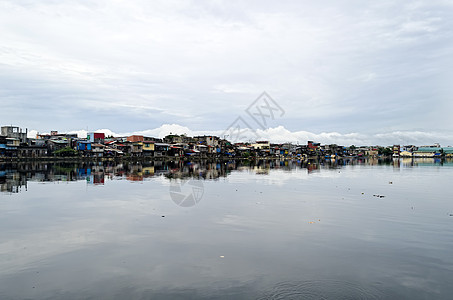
(128, 66)
(280, 134)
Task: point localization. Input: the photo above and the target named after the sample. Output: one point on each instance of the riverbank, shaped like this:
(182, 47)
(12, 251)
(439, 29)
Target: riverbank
(175, 158)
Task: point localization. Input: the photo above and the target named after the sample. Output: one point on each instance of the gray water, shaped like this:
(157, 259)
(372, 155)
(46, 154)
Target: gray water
(352, 229)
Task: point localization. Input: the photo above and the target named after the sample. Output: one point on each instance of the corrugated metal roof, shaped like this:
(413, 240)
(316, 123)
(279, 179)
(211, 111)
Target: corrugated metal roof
(448, 150)
(429, 149)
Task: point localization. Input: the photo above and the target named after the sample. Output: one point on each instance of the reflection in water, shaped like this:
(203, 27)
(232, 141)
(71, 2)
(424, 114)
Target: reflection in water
(186, 193)
(14, 176)
(263, 230)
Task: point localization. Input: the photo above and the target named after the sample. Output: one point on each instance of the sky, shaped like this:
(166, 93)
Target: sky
(346, 72)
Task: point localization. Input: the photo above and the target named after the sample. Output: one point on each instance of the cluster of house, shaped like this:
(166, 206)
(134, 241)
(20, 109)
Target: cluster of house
(15, 143)
(428, 151)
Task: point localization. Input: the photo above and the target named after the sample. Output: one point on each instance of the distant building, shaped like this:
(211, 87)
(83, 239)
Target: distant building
(396, 150)
(312, 148)
(148, 148)
(175, 139)
(15, 133)
(135, 148)
(405, 154)
(8, 146)
(96, 137)
(409, 148)
(428, 152)
(97, 150)
(208, 140)
(135, 138)
(32, 151)
(55, 145)
(372, 151)
(161, 149)
(448, 151)
(261, 145)
(82, 145)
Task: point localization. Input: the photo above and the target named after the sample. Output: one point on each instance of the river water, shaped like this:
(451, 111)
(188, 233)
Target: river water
(352, 229)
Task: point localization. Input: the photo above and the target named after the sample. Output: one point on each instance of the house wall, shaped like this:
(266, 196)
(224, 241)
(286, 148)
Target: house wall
(135, 138)
(83, 146)
(14, 132)
(96, 137)
(148, 146)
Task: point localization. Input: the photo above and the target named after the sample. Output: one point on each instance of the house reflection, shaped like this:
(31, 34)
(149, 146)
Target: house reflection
(11, 181)
(14, 176)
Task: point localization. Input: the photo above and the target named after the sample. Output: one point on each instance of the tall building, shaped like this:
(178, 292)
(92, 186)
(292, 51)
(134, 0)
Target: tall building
(15, 132)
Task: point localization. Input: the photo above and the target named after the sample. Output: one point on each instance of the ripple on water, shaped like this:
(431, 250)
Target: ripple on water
(322, 289)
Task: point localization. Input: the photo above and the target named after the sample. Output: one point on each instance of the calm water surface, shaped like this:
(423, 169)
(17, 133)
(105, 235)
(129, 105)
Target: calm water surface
(227, 230)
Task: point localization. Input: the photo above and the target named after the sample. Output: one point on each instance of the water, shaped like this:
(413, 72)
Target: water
(353, 229)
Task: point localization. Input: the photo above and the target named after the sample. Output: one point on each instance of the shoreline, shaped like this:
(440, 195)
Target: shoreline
(176, 158)
(195, 158)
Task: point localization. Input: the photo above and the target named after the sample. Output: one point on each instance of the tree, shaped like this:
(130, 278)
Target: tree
(246, 154)
(385, 151)
(65, 152)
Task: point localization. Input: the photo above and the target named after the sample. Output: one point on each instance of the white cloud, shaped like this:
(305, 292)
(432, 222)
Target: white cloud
(131, 65)
(280, 134)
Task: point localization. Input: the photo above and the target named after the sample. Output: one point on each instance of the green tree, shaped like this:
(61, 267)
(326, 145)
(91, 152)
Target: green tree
(246, 154)
(65, 152)
(385, 151)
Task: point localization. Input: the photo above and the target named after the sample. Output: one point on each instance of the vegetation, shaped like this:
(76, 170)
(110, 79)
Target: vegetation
(385, 151)
(65, 152)
(246, 154)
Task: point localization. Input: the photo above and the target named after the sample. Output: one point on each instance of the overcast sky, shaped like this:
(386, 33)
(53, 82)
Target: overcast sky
(343, 71)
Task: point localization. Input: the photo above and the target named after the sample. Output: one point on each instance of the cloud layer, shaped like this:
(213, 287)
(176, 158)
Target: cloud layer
(336, 66)
(282, 135)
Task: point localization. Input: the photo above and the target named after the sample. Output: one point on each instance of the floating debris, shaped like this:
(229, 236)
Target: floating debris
(163, 216)
(222, 256)
(379, 196)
